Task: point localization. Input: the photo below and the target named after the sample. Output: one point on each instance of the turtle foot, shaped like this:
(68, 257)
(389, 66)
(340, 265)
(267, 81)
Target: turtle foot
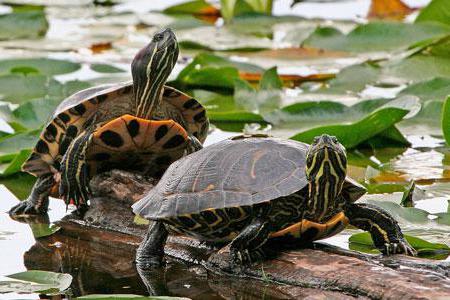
(27, 212)
(400, 247)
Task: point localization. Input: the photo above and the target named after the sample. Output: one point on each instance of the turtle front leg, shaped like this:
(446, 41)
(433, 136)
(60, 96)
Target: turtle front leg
(37, 202)
(150, 253)
(74, 185)
(193, 144)
(386, 234)
(245, 247)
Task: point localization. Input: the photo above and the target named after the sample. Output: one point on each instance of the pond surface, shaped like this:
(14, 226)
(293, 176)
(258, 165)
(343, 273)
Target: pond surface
(90, 35)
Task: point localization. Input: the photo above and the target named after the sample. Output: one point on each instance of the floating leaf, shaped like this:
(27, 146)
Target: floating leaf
(43, 229)
(44, 66)
(104, 68)
(446, 120)
(423, 247)
(36, 282)
(375, 36)
(351, 135)
(13, 143)
(16, 164)
(20, 184)
(209, 70)
(265, 98)
(23, 22)
(435, 11)
(196, 7)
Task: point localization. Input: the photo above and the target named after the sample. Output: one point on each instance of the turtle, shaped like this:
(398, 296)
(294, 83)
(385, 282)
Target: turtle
(142, 125)
(243, 191)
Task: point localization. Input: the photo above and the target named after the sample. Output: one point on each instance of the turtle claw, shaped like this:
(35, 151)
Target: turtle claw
(24, 208)
(400, 247)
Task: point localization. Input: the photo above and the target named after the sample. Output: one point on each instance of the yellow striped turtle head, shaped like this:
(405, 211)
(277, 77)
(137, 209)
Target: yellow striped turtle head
(326, 167)
(150, 68)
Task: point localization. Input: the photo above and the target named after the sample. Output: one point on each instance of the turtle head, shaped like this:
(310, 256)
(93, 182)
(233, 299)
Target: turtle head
(326, 167)
(150, 68)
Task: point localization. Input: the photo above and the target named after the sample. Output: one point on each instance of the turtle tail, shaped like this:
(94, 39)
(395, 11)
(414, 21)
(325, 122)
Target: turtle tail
(74, 186)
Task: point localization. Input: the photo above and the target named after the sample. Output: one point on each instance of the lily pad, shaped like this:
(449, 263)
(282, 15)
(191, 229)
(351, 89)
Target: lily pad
(423, 247)
(353, 134)
(446, 120)
(375, 36)
(104, 68)
(16, 164)
(36, 282)
(196, 7)
(44, 66)
(435, 11)
(209, 70)
(23, 22)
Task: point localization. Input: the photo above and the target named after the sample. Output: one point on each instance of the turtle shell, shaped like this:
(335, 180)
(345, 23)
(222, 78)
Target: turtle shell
(231, 173)
(100, 104)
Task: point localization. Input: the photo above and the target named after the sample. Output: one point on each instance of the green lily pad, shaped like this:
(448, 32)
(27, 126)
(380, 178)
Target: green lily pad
(23, 22)
(353, 134)
(446, 120)
(44, 66)
(418, 68)
(209, 70)
(104, 68)
(36, 282)
(16, 164)
(363, 242)
(43, 229)
(435, 11)
(20, 184)
(189, 7)
(265, 98)
(14, 143)
(375, 36)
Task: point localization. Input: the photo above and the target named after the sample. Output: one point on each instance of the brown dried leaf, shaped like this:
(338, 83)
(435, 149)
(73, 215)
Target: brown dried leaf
(100, 47)
(388, 9)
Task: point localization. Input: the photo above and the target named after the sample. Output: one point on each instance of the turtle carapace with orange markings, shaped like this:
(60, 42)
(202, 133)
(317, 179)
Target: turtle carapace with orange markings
(142, 125)
(246, 190)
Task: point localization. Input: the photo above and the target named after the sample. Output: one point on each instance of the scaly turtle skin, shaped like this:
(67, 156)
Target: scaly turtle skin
(244, 191)
(141, 125)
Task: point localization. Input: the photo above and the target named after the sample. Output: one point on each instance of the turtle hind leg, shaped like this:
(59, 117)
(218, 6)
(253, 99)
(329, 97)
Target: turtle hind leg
(74, 186)
(150, 253)
(386, 234)
(37, 202)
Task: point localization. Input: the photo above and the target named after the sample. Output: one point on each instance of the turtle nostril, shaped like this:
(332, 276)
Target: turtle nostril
(158, 37)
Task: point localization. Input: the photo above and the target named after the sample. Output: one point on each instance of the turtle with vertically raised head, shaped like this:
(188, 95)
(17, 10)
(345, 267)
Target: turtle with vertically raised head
(244, 191)
(142, 125)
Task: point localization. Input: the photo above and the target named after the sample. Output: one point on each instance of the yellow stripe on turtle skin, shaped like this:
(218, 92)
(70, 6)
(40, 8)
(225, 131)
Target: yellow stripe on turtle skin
(373, 224)
(296, 230)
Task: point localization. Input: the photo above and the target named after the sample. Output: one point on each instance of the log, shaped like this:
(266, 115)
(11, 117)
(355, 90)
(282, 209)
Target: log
(319, 271)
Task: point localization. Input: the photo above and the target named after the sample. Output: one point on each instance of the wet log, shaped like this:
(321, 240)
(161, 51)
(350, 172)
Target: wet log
(320, 271)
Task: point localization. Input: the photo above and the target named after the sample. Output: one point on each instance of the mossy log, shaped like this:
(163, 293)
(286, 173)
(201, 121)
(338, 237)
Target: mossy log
(320, 271)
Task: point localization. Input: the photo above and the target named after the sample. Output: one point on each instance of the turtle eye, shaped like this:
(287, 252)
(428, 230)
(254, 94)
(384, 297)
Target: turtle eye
(334, 139)
(158, 37)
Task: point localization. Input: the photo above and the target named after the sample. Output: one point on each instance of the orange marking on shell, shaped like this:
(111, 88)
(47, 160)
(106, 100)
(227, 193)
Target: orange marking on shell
(209, 188)
(256, 157)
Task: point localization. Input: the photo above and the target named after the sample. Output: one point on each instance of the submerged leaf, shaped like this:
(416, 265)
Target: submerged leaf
(44, 66)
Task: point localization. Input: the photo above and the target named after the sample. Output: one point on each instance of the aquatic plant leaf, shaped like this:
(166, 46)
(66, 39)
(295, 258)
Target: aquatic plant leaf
(195, 7)
(23, 22)
(363, 241)
(446, 120)
(35, 281)
(16, 164)
(213, 71)
(353, 134)
(128, 297)
(435, 11)
(14, 143)
(43, 66)
(43, 229)
(104, 68)
(20, 184)
(17, 88)
(375, 36)
(263, 99)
